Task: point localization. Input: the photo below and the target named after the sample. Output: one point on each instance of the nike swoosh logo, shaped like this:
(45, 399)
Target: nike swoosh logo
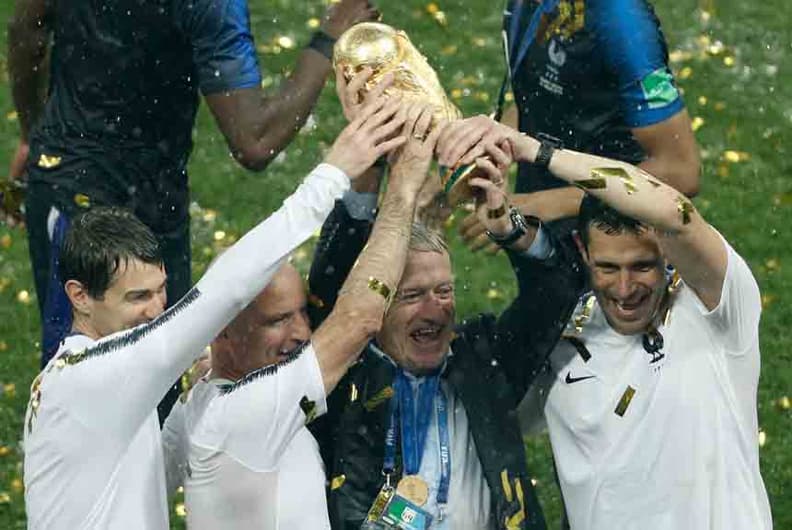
(569, 379)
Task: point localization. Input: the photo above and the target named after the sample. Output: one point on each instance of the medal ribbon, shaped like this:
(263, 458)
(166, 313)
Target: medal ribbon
(528, 36)
(415, 426)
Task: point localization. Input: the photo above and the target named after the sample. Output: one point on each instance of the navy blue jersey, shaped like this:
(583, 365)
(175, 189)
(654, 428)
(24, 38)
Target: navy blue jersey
(123, 94)
(586, 72)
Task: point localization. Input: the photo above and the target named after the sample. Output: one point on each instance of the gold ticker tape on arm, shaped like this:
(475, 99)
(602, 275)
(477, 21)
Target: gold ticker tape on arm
(599, 179)
(685, 208)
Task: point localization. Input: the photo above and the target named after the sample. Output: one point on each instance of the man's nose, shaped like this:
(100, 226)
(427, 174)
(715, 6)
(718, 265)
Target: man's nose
(626, 285)
(155, 307)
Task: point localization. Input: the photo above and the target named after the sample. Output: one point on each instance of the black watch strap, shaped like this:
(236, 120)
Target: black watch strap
(520, 227)
(547, 145)
(323, 43)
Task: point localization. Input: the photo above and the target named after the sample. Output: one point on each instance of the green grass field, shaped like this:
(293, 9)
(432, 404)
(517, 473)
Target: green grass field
(733, 62)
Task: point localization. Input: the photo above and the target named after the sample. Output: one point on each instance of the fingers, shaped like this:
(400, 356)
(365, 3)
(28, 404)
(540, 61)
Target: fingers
(422, 122)
(376, 113)
(471, 228)
(460, 137)
(356, 84)
(389, 145)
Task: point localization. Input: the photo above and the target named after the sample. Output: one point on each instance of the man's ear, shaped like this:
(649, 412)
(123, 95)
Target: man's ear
(80, 300)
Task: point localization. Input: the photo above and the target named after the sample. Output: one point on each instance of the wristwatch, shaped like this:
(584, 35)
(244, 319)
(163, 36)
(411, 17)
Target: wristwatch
(547, 145)
(520, 224)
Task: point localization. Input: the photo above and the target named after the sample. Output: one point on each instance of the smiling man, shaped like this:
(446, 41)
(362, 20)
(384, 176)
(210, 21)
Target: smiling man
(429, 413)
(650, 400)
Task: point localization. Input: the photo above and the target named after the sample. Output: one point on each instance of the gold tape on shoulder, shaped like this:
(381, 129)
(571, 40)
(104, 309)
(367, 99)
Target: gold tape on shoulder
(625, 400)
(616, 172)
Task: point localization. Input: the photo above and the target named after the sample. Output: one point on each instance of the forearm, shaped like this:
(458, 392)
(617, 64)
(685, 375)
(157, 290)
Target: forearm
(28, 44)
(549, 205)
(680, 174)
(626, 188)
(362, 301)
(284, 114)
(144, 361)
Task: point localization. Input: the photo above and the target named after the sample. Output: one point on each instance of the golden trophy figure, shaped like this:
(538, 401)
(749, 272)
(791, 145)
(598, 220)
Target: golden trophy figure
(386, 50)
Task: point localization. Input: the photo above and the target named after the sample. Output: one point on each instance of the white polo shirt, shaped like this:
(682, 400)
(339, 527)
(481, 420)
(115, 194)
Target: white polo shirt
(247, 459)
(93, 451)
(683, 452)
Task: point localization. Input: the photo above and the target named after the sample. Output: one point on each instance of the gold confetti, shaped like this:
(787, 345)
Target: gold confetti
(728, 61)
(9, 389)
(180, 510)
(23, 297)
(16, 485)
(779, 199)
(509, 97)
(3, 345)
(534, 482)
(784, 403)
(703, 40)
(723, 171)
(209, 216)
(678, 56)
(5, 241)
(5, 498)
(219, 235)
(621, 173)
(697, 123)
(449, 50)
(4, 451)
(685, 208)
(432, 8)
(716, 48)
(735, 157)
(479, 41)
(482, 96)
(702, 100)
(48, 162)
(440, 18)
(12, 116)
(493, 294)
(313, 23)
(720, 105)
(285, 42)
(456, 93)
(767, 300)
(4, 282)
(773, 265)
(685, 73)
(762, 438)
(82, 200)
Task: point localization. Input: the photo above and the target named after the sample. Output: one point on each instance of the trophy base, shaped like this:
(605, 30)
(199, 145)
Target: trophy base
(455, 183)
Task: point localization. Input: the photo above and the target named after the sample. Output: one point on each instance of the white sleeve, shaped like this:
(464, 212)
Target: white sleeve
(175, 448)
(255, 420)
(736, 317)
(117, 383)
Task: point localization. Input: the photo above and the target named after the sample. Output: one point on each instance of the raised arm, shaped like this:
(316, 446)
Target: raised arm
(258, 127)
(367, 291)
(131, 370)
(688, 242)
(29, 33)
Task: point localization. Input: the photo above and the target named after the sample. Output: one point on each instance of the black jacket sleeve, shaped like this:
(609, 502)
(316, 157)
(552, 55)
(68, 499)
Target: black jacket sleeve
(527, 331)
(340, 242)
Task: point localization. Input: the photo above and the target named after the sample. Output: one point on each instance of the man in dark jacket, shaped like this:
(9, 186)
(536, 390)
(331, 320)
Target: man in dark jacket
(430, 408)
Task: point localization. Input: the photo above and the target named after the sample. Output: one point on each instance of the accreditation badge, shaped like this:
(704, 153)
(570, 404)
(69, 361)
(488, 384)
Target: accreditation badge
(391, 510)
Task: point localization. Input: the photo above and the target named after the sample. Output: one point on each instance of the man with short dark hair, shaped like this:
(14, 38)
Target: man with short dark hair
(93, 455)
(650, 400)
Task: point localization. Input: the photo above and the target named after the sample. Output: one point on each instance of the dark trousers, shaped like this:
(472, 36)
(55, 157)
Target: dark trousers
(54, 307)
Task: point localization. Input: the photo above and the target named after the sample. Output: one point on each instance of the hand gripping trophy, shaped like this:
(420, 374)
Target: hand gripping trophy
(386, 50)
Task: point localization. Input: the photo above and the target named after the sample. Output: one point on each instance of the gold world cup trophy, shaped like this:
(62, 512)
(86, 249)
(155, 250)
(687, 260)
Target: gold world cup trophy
(386, 50)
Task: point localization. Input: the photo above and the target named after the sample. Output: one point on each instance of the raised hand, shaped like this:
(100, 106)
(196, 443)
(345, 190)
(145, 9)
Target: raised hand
(410, 163)
(355, 94)
(342, 15)
(372, 134)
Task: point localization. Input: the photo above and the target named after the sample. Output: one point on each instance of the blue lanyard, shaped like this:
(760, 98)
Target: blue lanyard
(529, 35)
(414, 428)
